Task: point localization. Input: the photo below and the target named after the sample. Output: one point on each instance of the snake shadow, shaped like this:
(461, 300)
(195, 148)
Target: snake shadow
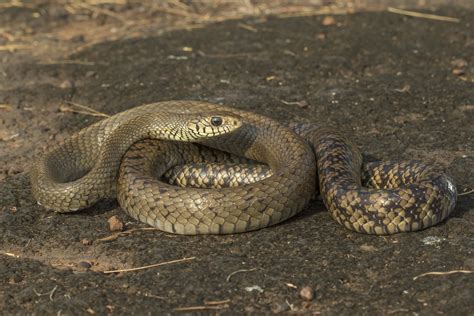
(313, 207)
(100, 208)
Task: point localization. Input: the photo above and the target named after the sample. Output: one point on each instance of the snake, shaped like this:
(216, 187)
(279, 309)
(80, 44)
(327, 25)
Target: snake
(192, 167)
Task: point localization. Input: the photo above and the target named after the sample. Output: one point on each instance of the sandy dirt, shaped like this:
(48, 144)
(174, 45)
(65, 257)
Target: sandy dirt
(400, 87)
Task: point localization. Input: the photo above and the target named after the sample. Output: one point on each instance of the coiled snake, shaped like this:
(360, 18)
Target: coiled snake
(117, 157)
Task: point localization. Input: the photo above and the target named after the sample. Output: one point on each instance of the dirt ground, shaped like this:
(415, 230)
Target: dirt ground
(401, 87)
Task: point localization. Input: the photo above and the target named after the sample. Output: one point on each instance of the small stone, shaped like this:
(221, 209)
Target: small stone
(459, 63)
(90, 73)
(459, 71)
(84, 266)
(459, 66)
(368, 248)
(307, 293)
(321, 36)
(328, 21)
(66, 84)
(86, 242)
(115, 224)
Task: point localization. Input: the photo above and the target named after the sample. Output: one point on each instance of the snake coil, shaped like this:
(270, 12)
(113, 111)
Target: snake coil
(124, 156)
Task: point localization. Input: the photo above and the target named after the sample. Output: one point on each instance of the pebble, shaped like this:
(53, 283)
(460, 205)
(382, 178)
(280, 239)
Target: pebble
(84, 266)
(115, 224)
(66, 84)
(86, 242)
(328, 20)
(459, 63)
(307, 293)
(368, 248)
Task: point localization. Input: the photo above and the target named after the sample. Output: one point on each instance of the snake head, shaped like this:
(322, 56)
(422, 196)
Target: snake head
(212, 124)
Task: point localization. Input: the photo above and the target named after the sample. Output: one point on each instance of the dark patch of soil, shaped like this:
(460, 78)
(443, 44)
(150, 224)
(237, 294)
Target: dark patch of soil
(386, 80)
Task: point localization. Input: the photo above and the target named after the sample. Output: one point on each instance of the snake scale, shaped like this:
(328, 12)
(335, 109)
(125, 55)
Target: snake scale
(131, 154)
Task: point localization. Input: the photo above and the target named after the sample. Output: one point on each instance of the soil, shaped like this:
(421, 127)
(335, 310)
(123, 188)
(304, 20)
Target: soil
(400, 87)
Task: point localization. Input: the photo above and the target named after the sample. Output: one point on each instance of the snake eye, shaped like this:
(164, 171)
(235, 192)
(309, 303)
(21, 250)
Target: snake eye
(216, 121)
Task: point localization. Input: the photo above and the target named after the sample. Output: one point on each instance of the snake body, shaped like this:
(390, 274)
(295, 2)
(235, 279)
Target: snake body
(110, 159)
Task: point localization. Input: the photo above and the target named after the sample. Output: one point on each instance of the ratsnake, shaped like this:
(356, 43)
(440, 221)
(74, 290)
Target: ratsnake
(191, 167)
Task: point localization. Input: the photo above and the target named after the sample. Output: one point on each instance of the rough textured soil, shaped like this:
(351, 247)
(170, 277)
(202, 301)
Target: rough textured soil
(399, 86)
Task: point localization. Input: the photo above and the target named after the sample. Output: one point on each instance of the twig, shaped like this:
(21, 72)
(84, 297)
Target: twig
(463, 78)
(97, 2)
(442, 273)
(9, 137)
(175, 12)
(399, 310)
(155, 296)
(5, 107)
(98, 10)
(236, 55)
(89, 111)
(239, 271)
(50, 293)
(217, 302)
(291, 306)
(207, 305)
(302, 104)
(247, 27)
(285, 13)
(423, 15)
(10, 4)
(68, 62)
(177, 3)
(150, 266)
(466, 193)
(9, 37)
(199, 308)
(124, 233)
(12, 47)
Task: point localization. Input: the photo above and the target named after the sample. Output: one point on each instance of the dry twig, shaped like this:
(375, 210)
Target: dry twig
(150, 266)
(466, 193)
(50, 293)
(88, 110)
(125, 233)
(5, 107)
(442, 273)
(423, 15)
(217, 302)
(68, 62)
(207, 305)
(239, 271)
(199, 308)
(12, 47)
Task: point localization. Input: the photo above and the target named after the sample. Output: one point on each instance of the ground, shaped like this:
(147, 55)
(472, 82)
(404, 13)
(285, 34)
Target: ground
(400, 87)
